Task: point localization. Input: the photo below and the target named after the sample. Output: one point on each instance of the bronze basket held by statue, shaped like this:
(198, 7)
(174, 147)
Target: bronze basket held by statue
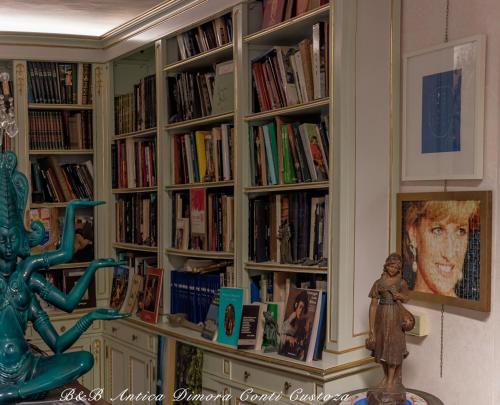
(407, 318)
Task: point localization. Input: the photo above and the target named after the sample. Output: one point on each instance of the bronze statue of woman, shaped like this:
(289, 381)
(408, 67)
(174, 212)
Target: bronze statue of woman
(388, 322)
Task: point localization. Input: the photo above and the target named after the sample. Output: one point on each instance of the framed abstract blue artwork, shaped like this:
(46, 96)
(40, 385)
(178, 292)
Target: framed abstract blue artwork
(443, 111)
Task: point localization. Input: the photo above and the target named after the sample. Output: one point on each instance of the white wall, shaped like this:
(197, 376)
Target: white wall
(471, 364)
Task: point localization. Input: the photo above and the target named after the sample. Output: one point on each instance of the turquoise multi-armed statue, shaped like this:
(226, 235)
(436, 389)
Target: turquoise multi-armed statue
(24, 375)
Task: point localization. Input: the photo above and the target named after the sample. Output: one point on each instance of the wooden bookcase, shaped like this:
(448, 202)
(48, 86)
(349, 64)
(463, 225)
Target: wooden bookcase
(125, 73)
(171, 65)
(27, 154)
(343, 351)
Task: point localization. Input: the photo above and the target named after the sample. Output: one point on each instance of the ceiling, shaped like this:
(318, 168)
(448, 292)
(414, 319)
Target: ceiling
(74, 17)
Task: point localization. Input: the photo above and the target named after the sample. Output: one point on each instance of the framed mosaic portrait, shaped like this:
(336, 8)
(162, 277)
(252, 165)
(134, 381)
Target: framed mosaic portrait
(445, 241)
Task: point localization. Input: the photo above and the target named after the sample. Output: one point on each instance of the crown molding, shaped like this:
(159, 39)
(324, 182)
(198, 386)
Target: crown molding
(142, 30)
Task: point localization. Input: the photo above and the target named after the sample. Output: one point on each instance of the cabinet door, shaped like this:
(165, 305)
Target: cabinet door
(140, 375)
(116, 369)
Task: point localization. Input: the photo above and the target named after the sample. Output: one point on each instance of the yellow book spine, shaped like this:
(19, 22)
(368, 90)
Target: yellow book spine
(200, 151)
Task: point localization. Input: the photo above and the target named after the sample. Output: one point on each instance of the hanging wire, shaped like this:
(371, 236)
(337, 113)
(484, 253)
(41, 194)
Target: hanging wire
(442, 342)
(446, 20)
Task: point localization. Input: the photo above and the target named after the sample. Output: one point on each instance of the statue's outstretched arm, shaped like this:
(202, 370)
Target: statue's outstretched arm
(60, 343)
(65, 252)
(67, 302)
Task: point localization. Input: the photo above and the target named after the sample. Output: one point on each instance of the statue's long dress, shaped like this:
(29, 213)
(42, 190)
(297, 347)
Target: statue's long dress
(390, 345)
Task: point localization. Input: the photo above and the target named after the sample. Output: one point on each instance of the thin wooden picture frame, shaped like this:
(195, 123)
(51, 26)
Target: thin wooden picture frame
(443, 111)
(444, 239)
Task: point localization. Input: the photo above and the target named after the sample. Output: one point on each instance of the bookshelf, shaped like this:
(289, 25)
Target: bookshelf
(201, 134)
(7, 66)
(59, 133)
(250, 43)
(134, 141)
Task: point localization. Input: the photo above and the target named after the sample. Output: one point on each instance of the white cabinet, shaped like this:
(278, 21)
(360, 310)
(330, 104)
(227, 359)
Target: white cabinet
(130, 368)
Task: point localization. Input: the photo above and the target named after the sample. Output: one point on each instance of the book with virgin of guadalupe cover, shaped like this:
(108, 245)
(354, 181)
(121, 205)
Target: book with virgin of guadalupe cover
(300, 327)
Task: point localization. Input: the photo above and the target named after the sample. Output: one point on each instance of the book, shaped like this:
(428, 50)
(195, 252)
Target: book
(193, 293)
(273, 12)
(223, 94)
(131, 299)
(300, 327)
(198, 223)
(230, 309)
(152, 294)
(119, 285)
(210, 325)
(49, 219)
(70, 279)
(251, 330)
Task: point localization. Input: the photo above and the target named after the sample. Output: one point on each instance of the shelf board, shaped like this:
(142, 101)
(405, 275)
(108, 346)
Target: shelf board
(196, 122)
(49, 205)
(38, 106)
(319, 368)
(199, 253)
(212, 184)
(76, 265)
(138, 248)
(134, 190)
(70, 152)
(288, 187)
(135, 134)
(204, 59)
(288, 32)
(288, 268)
(316, 106)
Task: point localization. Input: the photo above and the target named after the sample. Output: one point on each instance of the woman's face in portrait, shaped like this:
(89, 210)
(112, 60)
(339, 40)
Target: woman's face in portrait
(441, 245)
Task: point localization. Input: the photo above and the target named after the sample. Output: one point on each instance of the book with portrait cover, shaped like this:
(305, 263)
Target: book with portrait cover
(230, 309)
(119, 287)
(300, 327)
(151, 296)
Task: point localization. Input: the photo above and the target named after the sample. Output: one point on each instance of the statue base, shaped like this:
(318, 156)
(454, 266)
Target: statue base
(381, 396)
(412, 397)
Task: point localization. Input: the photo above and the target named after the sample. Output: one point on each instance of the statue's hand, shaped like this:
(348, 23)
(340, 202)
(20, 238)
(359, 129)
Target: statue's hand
(101, 263)
(107, 314)
(84, 203)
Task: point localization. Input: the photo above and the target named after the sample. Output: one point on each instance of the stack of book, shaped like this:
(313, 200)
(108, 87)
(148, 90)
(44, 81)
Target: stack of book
(60, 83)
(203, 220)
(190, 95)
(127, 287)
(136, 219)
(302, 215)
(285, 76)
(60, 130)
(192, 293)
(136, 111)
(133, 163)
(276, 11)
(203, 156)
(300, 316)
(207, 36)
(285, 153)
(53, 182)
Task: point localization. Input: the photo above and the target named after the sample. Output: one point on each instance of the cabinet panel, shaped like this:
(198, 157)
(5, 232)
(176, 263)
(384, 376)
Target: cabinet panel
(140, 375)
(117, 369)
(269, 380)
(130, 335)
